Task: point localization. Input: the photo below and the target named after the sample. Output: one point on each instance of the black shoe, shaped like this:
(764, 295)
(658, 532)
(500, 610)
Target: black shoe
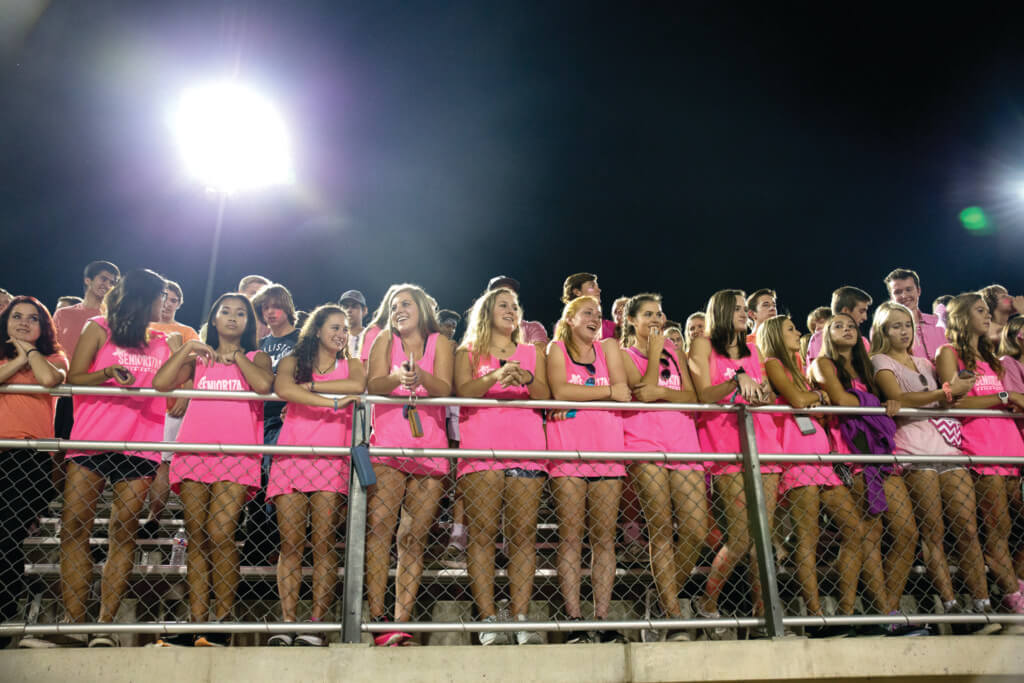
(909, 630)
(212, 640)
(830, 632)
(578, 637)
(611, 637)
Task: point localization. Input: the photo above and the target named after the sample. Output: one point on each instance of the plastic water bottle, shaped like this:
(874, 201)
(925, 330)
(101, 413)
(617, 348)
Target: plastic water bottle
(178, 548)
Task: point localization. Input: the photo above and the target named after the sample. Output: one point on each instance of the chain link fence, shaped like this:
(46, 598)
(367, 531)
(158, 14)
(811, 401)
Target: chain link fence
(455, 546)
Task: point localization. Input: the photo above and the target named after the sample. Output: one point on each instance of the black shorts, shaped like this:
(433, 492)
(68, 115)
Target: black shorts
(118, 467)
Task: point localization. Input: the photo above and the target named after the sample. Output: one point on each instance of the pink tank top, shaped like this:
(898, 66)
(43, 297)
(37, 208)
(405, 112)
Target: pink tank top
(503, 428)
(988, 435)
(673, 432)
(791, 439)
(318, 426)
(127, 418)
(390, 427)
(589, 430)
(369, 335)
(224, 421)
(719, 432)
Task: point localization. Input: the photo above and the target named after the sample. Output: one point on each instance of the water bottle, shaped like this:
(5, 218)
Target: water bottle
(178, 548)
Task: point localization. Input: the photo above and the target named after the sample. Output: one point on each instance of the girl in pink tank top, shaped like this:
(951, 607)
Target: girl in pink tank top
(726, 369)
(583, 368)
(807, 486)
(492, 363)
(971, 351)
(115, 350)
(410, 357)
(213, 487)
(312, 486)
(672, 495)
(844, 366)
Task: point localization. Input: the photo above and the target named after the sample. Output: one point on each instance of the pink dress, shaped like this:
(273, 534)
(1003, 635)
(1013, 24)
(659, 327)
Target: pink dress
(589, 430)
(220, 421)
(306, 425)
(719, 432)
(989, 436)
(792, 440)
(660, 431)
(513, 429)
(391, 427)
(123, 418)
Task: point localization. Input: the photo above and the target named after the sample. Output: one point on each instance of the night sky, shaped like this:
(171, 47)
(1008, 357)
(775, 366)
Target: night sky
(664, 147)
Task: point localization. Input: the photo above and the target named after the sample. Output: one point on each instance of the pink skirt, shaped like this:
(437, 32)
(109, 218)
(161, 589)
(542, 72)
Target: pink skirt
(208, 468)
(308, 474)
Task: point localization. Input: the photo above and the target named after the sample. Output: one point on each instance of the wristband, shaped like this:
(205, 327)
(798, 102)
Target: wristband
(335, 399)
(312, 387)
(29, 352)
(947, 391)
(531, 379)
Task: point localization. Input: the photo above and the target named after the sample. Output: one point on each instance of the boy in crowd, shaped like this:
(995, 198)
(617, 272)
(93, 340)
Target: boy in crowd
(849, 300)
(354, 304)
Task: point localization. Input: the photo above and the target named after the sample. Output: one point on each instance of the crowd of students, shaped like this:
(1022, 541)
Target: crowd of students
(738, 350)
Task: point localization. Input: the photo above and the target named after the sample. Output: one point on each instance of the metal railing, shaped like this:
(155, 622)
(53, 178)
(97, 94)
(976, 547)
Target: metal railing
(352, 626)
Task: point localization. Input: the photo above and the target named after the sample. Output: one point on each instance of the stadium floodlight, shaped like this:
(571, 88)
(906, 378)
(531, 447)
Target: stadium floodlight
(231, 138)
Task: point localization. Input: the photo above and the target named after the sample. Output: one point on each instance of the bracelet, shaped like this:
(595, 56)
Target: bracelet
(105, 372)
(335, 399)
(532, 377)
(29, 352)
(947, 391)
(312, 384)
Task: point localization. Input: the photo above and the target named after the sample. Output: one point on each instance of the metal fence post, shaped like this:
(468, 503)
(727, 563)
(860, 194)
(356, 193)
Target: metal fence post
(760, 525)
(355, 536)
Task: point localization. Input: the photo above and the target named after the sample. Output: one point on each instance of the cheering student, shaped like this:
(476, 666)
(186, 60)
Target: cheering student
(970, 353)
(409, 358)
(115, 350)
(494, 362)
(937, 490)
(583, 367)
(310, 486)
(213, 487)
(29, 354)
(672, 495)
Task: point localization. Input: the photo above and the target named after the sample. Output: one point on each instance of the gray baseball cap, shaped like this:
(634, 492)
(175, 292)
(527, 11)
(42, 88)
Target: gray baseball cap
(353, 295)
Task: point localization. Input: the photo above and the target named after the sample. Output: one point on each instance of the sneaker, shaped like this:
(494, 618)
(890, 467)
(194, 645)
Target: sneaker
(528, 637)
(212, 640)
(610, 636)
(578, 637)
(1014, 603)
(50, 640)
(453, 557)
(310, 640)
(907, 630)
(281, 640)
(714, 632)
(175, 640)
(391, 638)
(493, 637)
(677, 635)
(975, 628)
(104, 640)
(830, 632)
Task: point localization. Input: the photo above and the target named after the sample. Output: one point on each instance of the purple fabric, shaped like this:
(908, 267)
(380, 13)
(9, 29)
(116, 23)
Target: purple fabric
(878, 432)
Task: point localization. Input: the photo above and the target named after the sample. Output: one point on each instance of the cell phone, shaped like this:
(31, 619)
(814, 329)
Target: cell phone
(965, 374)
(570, 414)
(123, 376)
(806, 425)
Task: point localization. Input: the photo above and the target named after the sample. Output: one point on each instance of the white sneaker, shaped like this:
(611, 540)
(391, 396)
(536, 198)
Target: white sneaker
(528, 637)
(54, 640)
(104, 640)
(493, 637)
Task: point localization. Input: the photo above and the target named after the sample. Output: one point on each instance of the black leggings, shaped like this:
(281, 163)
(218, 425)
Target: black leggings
(25, 490)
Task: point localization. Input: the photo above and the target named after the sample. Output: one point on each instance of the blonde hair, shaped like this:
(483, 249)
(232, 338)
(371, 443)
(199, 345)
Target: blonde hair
(959, 335)
(1010, 343)
(880, 326)
(425, 303)
(477, 339)
(771, 344)
(563, 332)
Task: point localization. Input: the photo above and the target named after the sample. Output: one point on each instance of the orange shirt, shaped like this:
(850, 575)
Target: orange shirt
(28, 416)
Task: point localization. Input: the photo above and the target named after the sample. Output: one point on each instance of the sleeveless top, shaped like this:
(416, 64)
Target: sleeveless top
(123, 418)
(306, 425)
(988, 435)
(225, 421)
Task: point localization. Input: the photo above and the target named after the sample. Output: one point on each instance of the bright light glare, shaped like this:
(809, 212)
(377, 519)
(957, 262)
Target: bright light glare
(231, 138)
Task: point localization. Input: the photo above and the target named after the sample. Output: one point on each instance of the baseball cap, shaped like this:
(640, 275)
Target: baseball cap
(503, 281)
(353, 295)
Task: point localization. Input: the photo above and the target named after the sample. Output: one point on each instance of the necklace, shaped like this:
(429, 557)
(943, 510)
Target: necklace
(327, 369)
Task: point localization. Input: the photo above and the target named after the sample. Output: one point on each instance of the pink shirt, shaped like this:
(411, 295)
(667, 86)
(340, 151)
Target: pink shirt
(662, 431)
(225, 421)
(369, 334)
(589, 430)
(514, 429)
(929, 338)
(123, 418)
(391, 427)
(989, 435)
(70, 321)
(1013, 374)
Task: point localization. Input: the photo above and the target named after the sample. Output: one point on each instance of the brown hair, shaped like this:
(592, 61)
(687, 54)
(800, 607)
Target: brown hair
(575, 281)
(959, 335)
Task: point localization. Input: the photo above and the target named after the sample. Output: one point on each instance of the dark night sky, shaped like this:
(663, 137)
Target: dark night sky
(664, 147)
